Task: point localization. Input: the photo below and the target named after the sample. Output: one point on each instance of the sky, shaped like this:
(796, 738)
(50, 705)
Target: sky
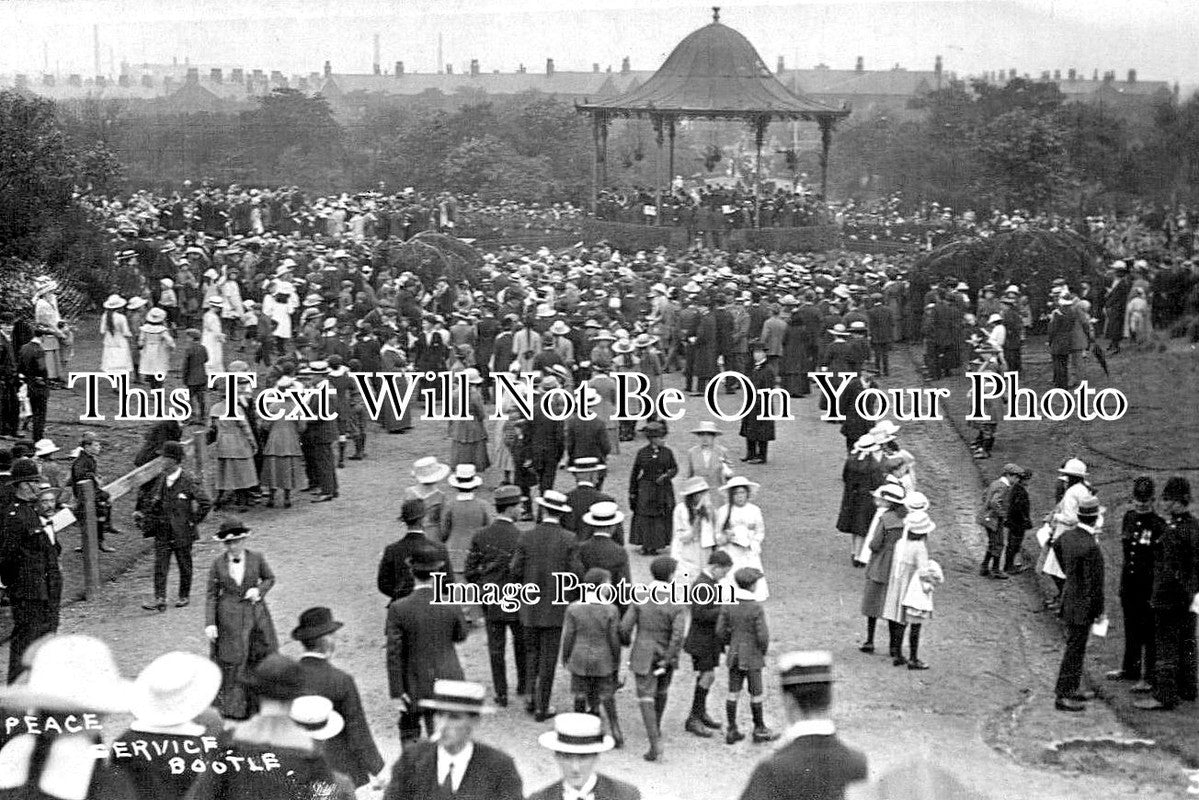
(1156, 37)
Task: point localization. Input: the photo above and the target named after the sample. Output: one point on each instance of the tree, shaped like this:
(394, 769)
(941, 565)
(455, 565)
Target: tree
(1024, 160)
(287, 120)
(493, 170)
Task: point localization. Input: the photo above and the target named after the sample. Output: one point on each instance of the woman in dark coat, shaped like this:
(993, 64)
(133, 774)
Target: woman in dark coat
(862, 474)
(793, 365)
(706, 348)
(237, 621)
(759, 432)
(651, 493)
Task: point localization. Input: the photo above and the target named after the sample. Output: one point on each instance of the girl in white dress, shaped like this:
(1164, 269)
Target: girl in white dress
(213, 336)
(740, 530)
(116, 358)
(694, 534)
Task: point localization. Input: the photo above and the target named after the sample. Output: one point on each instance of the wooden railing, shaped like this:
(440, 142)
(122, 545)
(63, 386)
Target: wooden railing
(85, 493)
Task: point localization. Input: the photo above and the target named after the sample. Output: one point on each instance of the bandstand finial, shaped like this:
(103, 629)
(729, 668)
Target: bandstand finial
(716, 13)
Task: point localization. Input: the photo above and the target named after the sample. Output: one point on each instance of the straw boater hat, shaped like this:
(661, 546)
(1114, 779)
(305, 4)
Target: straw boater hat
(622, 346)
(603, 336)
(838, 331)
(44, 447)
(173, 689)
(586, 464)
(465, 697)
(707, 426)
(891, 492)
(740, 482)
(316, 716)
(693, 485)
(429, 470)
(644, 340)
(866, 443)
(230, 530)
(155, 315)
(114, 302)
(603, 515)
(554, 501)
(579, 734)
(465, 477)
(70, 673)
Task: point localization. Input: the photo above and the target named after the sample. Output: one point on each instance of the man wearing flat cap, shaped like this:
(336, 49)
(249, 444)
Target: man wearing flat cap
(454, 765)
(351, 752)
(814, 764)
(421, 644)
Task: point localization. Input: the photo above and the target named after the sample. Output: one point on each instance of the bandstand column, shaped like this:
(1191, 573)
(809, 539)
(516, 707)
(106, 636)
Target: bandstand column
(759, 135)
(658, 123)
(826, 140)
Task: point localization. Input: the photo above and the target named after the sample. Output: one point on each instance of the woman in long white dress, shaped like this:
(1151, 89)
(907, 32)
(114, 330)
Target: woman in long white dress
(694, 535)
(740, 530)
(116, 358)
(156, 344)
(213, 336)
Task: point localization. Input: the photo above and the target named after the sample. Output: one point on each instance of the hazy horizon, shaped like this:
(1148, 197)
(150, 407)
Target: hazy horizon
(1155, 38)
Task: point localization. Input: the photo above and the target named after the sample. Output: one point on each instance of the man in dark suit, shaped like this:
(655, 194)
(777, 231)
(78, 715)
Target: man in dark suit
(455, 766)
(317, 442)
(421, 639)
(487, 564)
(1061, 337)
(169, 513)
(29, 567)
(604, 520)
(547, 438)
(10, 379)
(814, 764)
(577, 740)
(703, 646)
(353, 751)
(541, 552)
(1175, 584)
(394, 578)
(1114, 304)
(587, 438)
(83, 468)
(588, 474)
(1082, 600)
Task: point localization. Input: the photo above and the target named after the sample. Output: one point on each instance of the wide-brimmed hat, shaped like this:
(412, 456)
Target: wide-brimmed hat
(135, 302)
(312, 300)
(604, 514)
(741, 482)
(465, 477)
(230, 530)
(44, 447)
(277, 677)
(857, 326)
(315, 368)
(866, 443)
(316, 716)
(919, 522)
(465, 697)
(622, 346)
(156, 315)
(554, 501)
(838, 330)
(603, 336)
(114, 302)
(693, 485)
(891, 492)
(580, 734)
(915, 501)
(644, 340)
(1074, 467)
(315, 623)
(559, 328)
(586, 464)
(70, 673)
(429, 470)
(707, 426)
(654, 428)
(174, 688)
(884, 431)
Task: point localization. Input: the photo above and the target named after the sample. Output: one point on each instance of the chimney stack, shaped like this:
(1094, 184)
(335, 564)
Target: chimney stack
(21, 81)
(47, 79)
(193, 75)
(595, 66)
(277, 78)
(781, 67)
(1057, 74)
(449, 69)
(521, 69)
(377, 64)
(1109, 76)
(237, 75)
(1072, 74)
(1045, 75)
(96, 47)
(217, 76)
(860, 66)
(1012, 74)
(1132, 76)
(168, 84)
(1095, 75)
(549, 68)
(938, 65)
(474, 67)
(75, 80)
(328, 69)
(123, 80)
(101, 81)
(625, 67)
(399, 69)
(148, 81)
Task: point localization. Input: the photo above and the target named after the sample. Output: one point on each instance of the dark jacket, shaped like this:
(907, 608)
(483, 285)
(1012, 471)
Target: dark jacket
(490, 775)
(541, 552)
(192, 371)
(353, 751)
(587, 438)
(1140, 534)
(1082, 562)
(489, 562)
(591, 639)
(421, 639)
(173, 513)
(660, 629)
(581, 499)
(28, 561)
(1175, 582)
(394, 578)
(605, 789)
(701, 637)
(743, 628)
(605, 553)
(809, 768)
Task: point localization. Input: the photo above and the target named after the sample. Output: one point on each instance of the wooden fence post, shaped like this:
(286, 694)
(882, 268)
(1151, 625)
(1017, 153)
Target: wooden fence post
(86, 492)
(199, 445)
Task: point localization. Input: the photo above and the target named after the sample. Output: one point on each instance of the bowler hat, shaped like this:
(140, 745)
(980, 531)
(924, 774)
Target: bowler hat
(173, 450)
(427, 559)
(315, 623)
(25, 470)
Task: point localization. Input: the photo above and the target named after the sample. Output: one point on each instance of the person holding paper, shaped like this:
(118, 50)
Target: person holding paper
(1082, 600)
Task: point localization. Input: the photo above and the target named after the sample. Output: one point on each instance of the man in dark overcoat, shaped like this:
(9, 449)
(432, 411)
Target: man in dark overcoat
(169, 513)
(546, 437)
(1081, 560)
(353, 751)
(589, 474)
(487, 564)
(813, 764)
(604, 520)
(1114, 304)
(29, 566)
(394, 577)
(83, 468)
(541, 552)
(421, 645)
(758, 431)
